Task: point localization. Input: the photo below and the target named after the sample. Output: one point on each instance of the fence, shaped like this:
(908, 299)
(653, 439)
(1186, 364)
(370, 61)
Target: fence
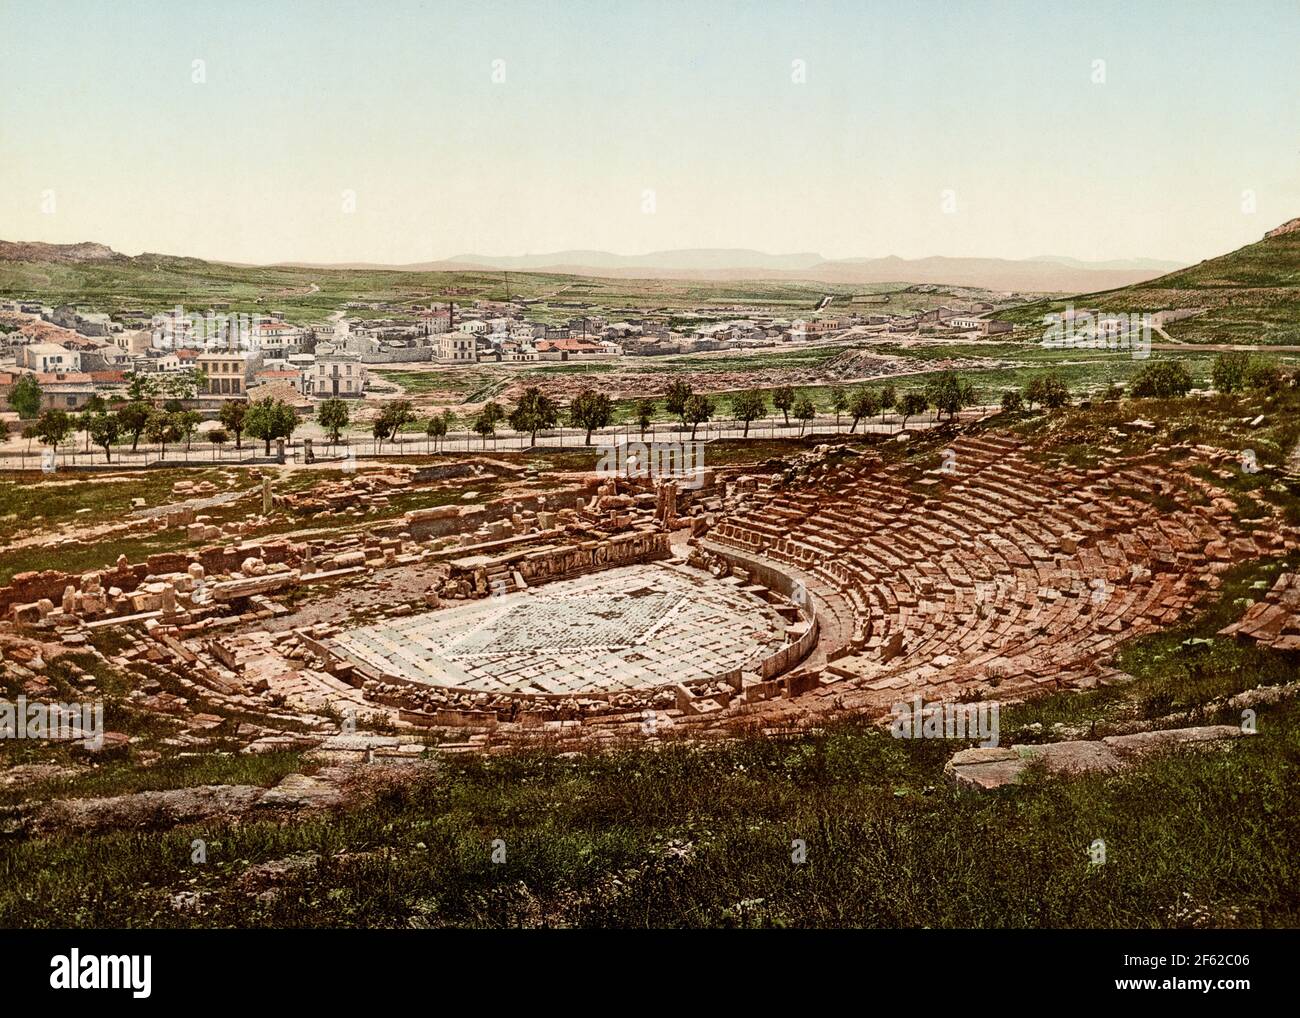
(19, 454)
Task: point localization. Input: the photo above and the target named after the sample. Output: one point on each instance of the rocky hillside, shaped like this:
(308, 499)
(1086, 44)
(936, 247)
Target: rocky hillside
(33, 251)
(1251, 295)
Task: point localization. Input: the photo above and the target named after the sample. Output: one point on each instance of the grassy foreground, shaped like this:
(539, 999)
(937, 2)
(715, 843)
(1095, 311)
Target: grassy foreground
(709, 836)
(690, 836)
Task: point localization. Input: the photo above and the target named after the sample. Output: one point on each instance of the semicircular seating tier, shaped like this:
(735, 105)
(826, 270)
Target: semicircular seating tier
(997, 573)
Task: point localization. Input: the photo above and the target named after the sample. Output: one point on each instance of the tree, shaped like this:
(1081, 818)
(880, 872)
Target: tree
(182, 385)
(1012, 401)
(534, 412)
(749, 406)
(888, 400)
(839, 403)
(486, 424)
(438, 426)
(1163, 380)
(234, 413)
(52, 427)
(912, 404)
(1230, 371)
(949, 393)
(804, 411)
(187, 423)
(676, 397)
(862, 403)
(1056, 393)
(645, 412)
(218, 437)
(332, 415)
(94, 405)
(134, 417)
(25, 397)
(1266, 376)
(435, 428)
(698, 409)
(591, 410)
(783, 400)
(160, 429)
(104, 430)
(269, 419)
(1049, 389)
(395, 416)
(140, 388)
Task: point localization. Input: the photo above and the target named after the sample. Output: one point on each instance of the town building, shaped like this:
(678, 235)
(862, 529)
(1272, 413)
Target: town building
(47, 357)
(457, 348)
(228, 371)
(338, 375)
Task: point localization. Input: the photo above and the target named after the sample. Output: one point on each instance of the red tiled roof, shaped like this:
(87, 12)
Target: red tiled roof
(57, 377)
(566, 344)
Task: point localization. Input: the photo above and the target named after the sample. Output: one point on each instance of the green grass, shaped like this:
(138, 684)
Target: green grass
(1251, 296)
(703, 836)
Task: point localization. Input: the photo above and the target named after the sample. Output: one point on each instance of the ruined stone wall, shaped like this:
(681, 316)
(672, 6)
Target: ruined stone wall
(25, 588)
(774, 578)
(592, 556)
(440, 521)
(50, 584)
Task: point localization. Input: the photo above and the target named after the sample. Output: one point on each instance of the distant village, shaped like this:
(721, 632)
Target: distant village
(76, 355)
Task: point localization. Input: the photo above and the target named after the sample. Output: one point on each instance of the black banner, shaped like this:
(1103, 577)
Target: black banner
(144, 968)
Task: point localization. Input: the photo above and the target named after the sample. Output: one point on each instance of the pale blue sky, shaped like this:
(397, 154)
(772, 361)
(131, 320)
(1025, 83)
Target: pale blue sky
(603, 101)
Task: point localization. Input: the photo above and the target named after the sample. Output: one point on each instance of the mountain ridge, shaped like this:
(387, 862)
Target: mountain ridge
(1034, 275)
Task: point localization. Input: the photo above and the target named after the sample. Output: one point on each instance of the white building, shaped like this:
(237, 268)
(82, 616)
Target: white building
(47, 357)
(275, 337)
(458, 347)
(338, 375)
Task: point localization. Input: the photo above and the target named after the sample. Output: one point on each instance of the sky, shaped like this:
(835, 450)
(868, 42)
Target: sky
(398, 132)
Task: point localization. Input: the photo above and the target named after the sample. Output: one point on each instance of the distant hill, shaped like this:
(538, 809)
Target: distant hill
(1251, 295)
(1031, 275)
(33, 251)
(684, 260)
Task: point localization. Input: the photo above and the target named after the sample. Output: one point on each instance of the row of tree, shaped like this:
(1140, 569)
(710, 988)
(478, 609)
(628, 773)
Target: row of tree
(591, 410)
(162, 426)
(1235, 371)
